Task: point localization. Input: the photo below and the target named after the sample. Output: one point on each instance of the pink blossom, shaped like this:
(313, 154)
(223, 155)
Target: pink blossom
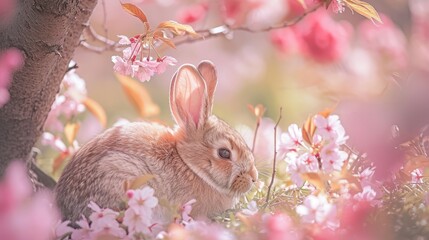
(164, 62)
(62, 228)
(54, 141)
(266, 13)
(138, 216)
(187, 209)
(296, 8)
(417, 176)
(330, 128)
(386, 40)
(142, 198)
(251, 209)
(325, 40)
(235, 11)
(122, 66)
(192, 13)
(332, 158)
(22, 215)
(146, 69)
(102, 218)
(337, 6)
(287, 40)
(296, 165)
(7, 11)
(74, 87)
(14, 188)
(317, 209)
(10, 61)
(84, 230)
(367, 195)
(68, 103)
(280, 226)
(365, 177)
(290, 140)
(137, 221)
(204, 230)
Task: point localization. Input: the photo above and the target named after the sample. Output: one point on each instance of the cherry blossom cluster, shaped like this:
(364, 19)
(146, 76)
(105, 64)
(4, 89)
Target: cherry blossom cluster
(134, 64)
(68, 104)
(323, 154)
(136, 222)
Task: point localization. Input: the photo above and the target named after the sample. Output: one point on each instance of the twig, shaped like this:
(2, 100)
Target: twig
(258, 123)
(74, 66)
(275, 158)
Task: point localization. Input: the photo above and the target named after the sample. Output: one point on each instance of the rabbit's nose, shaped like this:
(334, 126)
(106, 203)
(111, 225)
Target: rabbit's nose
(254, 174)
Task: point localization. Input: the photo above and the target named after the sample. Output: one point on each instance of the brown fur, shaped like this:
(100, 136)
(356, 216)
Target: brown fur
(185, 161)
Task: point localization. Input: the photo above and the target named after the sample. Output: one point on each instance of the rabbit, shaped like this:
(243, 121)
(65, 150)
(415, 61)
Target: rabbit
(202, 158)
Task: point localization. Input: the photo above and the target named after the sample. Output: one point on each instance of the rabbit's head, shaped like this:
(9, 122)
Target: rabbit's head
(208, 146)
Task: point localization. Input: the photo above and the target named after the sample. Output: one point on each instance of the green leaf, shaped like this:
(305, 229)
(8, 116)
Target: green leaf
(363, 8)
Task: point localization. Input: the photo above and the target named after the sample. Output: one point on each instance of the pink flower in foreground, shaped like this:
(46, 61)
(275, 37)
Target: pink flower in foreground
(192, 13)
(138, 216)
(84, 230)
(102, 218)
(280, 226)
(23, 215)
(15, 187)
(62, 228)
(142, 198)
(7, 10)
(10, 61)
(317, 209)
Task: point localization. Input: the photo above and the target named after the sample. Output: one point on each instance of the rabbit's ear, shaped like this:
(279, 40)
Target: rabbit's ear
(208, 72)
(188, 98)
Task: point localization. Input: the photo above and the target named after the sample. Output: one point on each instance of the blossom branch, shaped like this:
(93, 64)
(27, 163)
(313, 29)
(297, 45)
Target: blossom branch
(275, 158)
(222, 30)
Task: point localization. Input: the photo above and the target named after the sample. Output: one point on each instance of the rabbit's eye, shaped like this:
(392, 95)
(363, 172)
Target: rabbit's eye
(224, 153)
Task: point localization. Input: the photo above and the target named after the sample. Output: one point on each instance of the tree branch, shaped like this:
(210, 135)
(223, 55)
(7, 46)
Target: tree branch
(47, 32)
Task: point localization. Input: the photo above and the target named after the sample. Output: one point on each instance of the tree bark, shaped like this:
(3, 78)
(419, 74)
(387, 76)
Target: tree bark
(47, 32)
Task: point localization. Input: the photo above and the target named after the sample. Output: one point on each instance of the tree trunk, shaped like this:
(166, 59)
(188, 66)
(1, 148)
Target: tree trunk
(47, 32)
